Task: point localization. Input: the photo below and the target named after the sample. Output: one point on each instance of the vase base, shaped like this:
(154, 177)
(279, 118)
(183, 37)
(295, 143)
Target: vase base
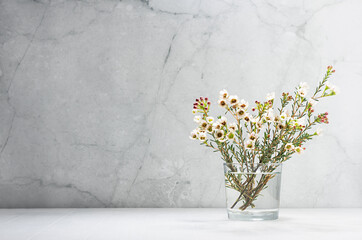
(253, 215)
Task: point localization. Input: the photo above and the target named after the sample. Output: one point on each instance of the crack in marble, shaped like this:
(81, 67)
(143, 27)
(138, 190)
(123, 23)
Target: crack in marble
(8, 135)
(169, 51)
(97, 146)
(27, 49)
(197, 15)
(42, 183)
(12, 80)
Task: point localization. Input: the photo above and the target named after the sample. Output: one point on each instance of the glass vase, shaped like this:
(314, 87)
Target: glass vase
(252, 192)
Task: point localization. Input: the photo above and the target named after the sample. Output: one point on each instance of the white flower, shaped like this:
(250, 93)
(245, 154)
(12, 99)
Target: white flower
(241, 112)
(298, 150)
(253, 119)
(219, 134)
(209, 119)
(253, 136)
(194, 111)
(249, 144)
(304, 85)
(224, 94)
(289, 147)
(285, 116)
(312, 102)
(222, 103)
(197, 119)
(319, 132)
(230, 135)
(202, 136)
(270, 96)
(233, 99)
(233, 127)
(333, 88)
(302, 92)
(223, 121)
(277, 119)
(243, 104)
(259, 124)
(203, 124)
(194, 134)
(303, 89)
(269, 117)
(209, 128)
(247, 117)
(216, 125)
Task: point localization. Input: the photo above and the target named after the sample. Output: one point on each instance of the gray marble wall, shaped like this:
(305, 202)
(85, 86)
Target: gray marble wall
(96, 97)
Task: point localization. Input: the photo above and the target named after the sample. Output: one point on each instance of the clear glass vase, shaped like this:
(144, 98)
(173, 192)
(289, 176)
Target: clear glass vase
(252, 192)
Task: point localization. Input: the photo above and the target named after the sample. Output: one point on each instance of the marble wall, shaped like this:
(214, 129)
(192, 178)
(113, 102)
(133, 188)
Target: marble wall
(96, 97)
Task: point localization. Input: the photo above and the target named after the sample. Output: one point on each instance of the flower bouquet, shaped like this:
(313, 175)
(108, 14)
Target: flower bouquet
(257, 140)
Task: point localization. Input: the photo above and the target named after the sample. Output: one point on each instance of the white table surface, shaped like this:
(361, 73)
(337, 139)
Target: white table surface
(185, 224)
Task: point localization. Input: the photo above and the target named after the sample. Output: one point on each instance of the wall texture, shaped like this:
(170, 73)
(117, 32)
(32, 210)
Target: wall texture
(96, 97)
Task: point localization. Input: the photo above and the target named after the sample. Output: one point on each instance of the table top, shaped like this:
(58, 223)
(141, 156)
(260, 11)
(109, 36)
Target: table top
(176, 223)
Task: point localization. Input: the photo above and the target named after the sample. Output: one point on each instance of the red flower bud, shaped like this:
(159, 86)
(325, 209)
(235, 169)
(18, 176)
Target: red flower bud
(206, 99)
(195, 107)
(197, 100)
(209, 103)
(201, 98)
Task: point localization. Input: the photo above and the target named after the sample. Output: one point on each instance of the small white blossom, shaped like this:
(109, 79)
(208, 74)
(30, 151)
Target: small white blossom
(289, 147)
(312, 102)
(319, 132)
(209, 119)
(270, 96)
(230, 135)
(303, 89)
(194, 134)
(253, 119)
(333, 88)
(302, 92)
(224, 94)
(284, 117)
(197, 119)
(216, 125)
(298, 150)
(223, 121)
(222, 103)
(194, 111)
(233, 127)
(269, 117)
(210, 128)
(253, 136)
(240, 112)
(233, 100)
(249, 144)
(259, 124)
(219, 134)
(304, 85)
(243, 104)
(203, 124)
(247, 117)
(202, 136)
